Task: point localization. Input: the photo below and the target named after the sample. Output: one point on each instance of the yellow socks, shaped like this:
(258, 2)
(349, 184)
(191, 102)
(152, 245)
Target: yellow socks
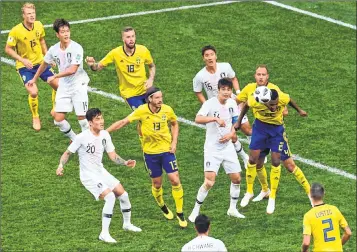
(263, 178)
(157, 193)
(177, 194)
(300, 177)
(53, 98)
(33, 103)
(250, 175)
(274, 180)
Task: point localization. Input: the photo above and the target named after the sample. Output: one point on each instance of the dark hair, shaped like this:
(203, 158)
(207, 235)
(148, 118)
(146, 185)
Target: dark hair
(202, 223)
(208, 47)
(262, 66)
(274, 94)
(317, 191)
(127, 28)
(93, 113)
(60, 22)
(225, 82)
(150, 91)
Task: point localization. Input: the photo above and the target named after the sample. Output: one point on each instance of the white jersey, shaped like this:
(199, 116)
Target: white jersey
(214, 132)
(209, 82)
(72, 55)
(90, 151)
(204, 243)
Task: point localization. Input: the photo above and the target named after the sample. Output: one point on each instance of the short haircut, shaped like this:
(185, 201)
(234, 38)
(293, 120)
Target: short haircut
(202, 223)
(317, 191)
(150, 91)
(126, 29)
(93, 113)
(262, 66)
(60, 22)
(274, 94)
(225, 82)
(28, 5)
(208, 47)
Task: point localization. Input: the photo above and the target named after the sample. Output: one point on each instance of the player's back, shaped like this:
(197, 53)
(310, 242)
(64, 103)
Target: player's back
(323, 222)
(204, 243)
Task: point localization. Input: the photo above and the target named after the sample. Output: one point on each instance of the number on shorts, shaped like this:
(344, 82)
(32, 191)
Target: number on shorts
(173, 165)
(85, 106)
(281, 146)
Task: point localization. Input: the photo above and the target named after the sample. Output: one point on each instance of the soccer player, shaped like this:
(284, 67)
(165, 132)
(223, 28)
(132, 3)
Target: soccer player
(90, 145)
(130, 60)
(159, 148)
(73, 80)
(219, 114)
(323, 223)
(262, 79)
(203, 242)
(26, 44)
(268, 133)
(207, 78)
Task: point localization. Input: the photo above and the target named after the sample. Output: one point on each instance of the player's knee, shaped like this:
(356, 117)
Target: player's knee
(209, 184)
(236, 180)
(156, 184)
(109, 197)
(252, 160)
(290, 166)
(275, 162)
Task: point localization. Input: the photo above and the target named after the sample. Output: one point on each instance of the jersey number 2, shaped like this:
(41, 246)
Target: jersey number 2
(328, 229)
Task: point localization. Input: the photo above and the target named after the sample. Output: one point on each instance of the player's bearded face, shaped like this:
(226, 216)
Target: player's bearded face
(64, 34)
(156, 99)
(261, 76)
(210, 58)
(129, 39)
(29, 15)
(272, 105)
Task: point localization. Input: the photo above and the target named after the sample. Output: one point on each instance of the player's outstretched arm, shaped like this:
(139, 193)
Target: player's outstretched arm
(64, 159)
(346, 235)
(207, 119)
(121, 161)
(174, 133)
(305, 243)
(118, 125)
(293, 104)
(93, 65)
(150, 80)
(243, 111)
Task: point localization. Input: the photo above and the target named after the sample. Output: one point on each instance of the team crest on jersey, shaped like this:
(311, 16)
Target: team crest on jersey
(231, 110)
(37, 34)
(10, 39)
(208, 164)
(223, 75)
(138, 60)
(163, 117)
(104, 142)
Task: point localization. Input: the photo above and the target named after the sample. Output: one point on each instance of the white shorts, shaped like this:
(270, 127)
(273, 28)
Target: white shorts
(227, 157)
(66, 100)
(98, 183)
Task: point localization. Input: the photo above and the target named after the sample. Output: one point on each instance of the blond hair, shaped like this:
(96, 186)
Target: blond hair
(28, 5)
(262, 66)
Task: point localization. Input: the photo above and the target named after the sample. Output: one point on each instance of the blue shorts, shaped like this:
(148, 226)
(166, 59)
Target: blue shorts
(267, 136)
(136, 101)
(27, 74)
(156, 162)
(285, 152)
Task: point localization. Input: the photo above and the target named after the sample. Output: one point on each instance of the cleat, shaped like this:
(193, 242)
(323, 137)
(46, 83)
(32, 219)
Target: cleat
(262, 195)
(36, 123)
(181, 219)
(245, 201)
(271, 206)
(193, 215)
(131, 227)
(167, 212)
(106, 238)
(234, 213)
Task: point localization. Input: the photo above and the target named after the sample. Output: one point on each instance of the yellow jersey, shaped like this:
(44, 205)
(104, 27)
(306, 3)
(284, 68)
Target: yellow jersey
(323, 223)
(250, 88)
(263, 113)
(130, 69)
(27, 42)
(154, 127)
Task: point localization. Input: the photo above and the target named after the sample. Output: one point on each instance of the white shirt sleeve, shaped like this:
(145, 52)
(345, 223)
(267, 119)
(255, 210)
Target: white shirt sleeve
(222, 247)
(230, 72)
(197, 84)
(49, 57)
(77, 55)
(235, 109)
(109, 147)
(75, 145)
(205, 108)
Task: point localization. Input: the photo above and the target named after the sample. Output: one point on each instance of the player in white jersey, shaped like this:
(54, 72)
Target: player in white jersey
(90, 145)
(219, 114)
(73, 80)
(207, 78)
(203, 242)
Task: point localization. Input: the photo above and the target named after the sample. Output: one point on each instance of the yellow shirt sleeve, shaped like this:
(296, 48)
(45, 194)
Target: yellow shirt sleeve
(342, 221)
(307, 225)
(172, 116)
(135, 115)
(284, 98)
(243, 95)
(108, 59)
(148, 58)
(11, 39)
(42, 34)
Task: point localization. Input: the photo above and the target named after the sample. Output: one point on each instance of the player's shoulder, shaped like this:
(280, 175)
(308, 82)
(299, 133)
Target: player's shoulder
(165, 108)
(38, 24)
(200, 73)
(75, 45)
(17, 28)
(231, 102)
(224, 64)
(273, 86)
(83, 135)
(55, 47)
(141, 48)
(104, 133)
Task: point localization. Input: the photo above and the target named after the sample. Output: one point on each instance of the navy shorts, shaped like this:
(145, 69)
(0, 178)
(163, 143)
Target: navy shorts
(155, 163)
(27, 74)
(285, 152)
(136, 101)
(267, 136)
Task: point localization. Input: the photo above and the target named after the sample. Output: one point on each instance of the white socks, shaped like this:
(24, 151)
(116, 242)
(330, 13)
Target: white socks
(201, 195)
(84, 124)
(66, 129)
(125, 207)
(234, 192)
(107, 212)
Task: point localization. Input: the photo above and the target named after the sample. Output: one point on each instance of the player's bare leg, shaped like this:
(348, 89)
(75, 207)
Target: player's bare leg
(234, 193)
(33, 103)
(63, 125)
(177, 194)
(54, 86)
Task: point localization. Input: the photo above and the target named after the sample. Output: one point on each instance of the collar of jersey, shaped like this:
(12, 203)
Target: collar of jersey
(27, 28)
(152, 111)
(127, 54)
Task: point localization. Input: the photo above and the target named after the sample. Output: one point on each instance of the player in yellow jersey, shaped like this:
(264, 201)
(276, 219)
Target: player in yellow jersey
(26, 44)
(159, 146)
(262, 79)
(130, 60)
(323, 223)
(268, 133)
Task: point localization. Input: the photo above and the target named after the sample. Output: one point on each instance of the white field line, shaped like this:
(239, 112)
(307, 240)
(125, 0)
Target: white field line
(335, 21)
(183, 120)
(141, 13)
